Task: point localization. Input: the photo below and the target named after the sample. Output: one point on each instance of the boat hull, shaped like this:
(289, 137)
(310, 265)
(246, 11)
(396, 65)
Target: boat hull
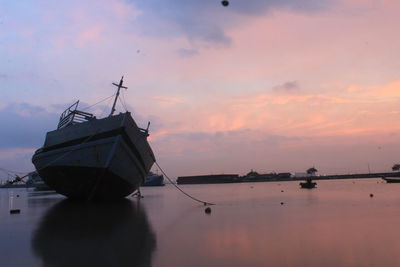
(86, 182)
(110, 164)
(392, 180)
(308, 185)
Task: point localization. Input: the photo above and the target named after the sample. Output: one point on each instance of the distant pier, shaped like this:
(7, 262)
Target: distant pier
(274, 177)
(209, 179)
(355, 176)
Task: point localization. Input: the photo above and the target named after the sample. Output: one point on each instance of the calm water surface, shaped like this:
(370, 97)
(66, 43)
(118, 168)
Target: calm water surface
(253, 224)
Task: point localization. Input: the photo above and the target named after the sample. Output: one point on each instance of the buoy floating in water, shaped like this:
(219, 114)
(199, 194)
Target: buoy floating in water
(371, 195)
(207, 210)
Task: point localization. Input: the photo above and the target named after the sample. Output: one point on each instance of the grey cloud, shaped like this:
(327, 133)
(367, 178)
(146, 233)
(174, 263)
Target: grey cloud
(24, 125)
(288, 87)
(208, 21)
(187, 52)
(260, 7)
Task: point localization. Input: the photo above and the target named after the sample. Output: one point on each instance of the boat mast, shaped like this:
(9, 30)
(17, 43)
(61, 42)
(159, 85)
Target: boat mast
(116, 96)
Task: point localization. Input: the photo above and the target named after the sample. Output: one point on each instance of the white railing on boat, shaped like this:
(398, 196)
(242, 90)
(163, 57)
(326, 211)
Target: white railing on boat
(71, 116)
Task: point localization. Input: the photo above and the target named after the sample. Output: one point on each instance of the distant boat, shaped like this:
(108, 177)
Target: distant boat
(153, 179)
(16, 182)
(391, 179)
(90, 158)
(9, 185)
(34, 181)
(308, 184)
(37, 182)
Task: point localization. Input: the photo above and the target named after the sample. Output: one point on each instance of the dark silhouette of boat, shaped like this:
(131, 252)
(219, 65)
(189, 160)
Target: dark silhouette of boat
(81, 234)
(90, 158)
(16, 182)
(309, 184)
(33, 181)
(153, 179)
(391, 179)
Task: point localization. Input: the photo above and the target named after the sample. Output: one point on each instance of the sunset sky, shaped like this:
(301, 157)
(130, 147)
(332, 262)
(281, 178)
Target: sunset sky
(268, 85)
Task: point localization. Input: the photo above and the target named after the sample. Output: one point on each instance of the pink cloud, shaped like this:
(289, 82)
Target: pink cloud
(342, 59)
(92, 34)
(15, 152)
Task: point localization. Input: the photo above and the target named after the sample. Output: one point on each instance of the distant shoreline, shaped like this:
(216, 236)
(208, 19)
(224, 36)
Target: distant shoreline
(235, 178)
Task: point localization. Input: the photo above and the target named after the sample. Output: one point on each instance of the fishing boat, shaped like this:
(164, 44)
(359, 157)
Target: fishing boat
(36, 182)
(153, 179)
(309, 184)
(391, 179)
(91, 158)
(16, 182)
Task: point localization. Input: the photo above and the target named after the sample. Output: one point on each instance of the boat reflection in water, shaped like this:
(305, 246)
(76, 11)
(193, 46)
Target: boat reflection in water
(94, 234)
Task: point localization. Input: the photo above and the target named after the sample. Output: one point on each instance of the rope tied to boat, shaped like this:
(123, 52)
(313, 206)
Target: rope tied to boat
(181, 190)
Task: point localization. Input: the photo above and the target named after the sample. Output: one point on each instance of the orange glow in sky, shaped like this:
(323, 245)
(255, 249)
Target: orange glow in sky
(265, 86)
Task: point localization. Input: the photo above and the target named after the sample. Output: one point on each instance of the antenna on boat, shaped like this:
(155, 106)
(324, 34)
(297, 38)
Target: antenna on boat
(116, 96)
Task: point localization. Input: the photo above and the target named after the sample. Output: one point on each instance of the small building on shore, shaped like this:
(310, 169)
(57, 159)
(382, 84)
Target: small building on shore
(253, 176)
(301, 174)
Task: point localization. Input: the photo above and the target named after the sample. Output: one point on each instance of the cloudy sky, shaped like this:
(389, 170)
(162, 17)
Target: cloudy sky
(269, 85)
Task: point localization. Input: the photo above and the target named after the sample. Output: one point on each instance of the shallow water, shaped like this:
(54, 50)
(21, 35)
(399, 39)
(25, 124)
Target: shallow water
(253, 224)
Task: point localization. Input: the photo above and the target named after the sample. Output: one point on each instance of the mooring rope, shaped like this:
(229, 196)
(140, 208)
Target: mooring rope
(177, 187)
(88, 138)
